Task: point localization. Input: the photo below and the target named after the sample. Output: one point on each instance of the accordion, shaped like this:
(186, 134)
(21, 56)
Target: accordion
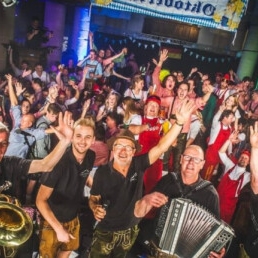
(186, 230)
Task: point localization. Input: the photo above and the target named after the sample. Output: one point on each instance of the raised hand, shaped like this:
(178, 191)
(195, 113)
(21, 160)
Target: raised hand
(26, 73)
(8, 77)
(64, 130)
(234, 137)
(184, 113)
(163, 55)
(19, 89)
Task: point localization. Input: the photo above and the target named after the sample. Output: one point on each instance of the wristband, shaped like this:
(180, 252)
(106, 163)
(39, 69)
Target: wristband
(179, 124)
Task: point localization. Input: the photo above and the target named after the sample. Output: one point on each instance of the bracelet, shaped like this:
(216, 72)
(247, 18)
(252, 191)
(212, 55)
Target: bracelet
(179, 124)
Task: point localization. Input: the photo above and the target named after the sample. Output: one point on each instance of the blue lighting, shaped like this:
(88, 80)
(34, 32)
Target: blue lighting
(83, 32)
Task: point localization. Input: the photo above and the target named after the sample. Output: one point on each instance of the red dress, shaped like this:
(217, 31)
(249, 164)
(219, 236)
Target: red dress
(228, 191)
(212, 153)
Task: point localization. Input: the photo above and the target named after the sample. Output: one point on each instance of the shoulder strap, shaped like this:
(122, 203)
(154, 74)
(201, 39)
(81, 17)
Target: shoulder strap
(201, 185)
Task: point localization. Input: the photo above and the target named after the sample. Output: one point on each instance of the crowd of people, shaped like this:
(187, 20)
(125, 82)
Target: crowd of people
(136, 140)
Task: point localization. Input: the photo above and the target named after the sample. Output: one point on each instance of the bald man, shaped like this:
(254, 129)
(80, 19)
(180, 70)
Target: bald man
(187, 184)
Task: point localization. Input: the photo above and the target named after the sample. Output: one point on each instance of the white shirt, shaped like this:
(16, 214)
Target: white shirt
(236, 173)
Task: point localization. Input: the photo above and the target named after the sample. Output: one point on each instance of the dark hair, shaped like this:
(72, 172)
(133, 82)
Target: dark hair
(163, 85)
(38, 81)
(100, 133)
(93, 50)
(116, 117)
(246, 78)
(226, 113)
(54, 108)
(184, 82)
(25, 62)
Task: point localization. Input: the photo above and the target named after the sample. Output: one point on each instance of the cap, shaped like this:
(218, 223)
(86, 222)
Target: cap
(154, 98)
(72, 78)
(246, 152)
(124, 134)
(226, 76)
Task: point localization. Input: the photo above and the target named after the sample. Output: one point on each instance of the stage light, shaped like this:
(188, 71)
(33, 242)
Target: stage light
(8, 3)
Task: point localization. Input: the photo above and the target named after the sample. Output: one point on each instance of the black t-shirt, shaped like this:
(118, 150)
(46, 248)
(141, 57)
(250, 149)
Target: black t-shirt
(206, 197)
(121, 193)
(68, 180)
(14, 169)
(251, 241)
(37, 39)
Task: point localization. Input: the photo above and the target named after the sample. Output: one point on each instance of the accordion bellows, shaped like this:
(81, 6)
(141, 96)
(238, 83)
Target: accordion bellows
(187, 230)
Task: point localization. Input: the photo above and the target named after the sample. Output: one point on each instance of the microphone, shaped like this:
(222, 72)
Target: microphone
(5, 186)
(104, 206)
(19, 131)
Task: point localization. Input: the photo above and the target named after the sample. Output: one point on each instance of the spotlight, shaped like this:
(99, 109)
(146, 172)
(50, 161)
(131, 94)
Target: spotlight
(8, 3)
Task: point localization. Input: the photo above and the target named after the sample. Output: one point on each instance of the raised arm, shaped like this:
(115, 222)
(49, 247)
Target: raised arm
(182, 116)
(64, 132)
(254, 157)
(155, 76)
(110, 59)
(12, 94)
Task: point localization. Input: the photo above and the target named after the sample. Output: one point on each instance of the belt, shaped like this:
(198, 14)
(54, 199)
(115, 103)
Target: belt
(158, 253)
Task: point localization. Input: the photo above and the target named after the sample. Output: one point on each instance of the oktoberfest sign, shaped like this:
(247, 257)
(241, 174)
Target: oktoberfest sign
(220, 14)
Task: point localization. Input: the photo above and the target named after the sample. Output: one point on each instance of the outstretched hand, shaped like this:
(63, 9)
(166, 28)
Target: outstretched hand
(163, 55)
(184, 113)
(64, 130)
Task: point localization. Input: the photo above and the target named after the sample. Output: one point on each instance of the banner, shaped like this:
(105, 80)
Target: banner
(175, 53)
(219, 14)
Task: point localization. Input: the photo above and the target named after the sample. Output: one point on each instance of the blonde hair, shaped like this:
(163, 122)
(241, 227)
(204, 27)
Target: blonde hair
(112, 93)
(130, 108)
(87, 121)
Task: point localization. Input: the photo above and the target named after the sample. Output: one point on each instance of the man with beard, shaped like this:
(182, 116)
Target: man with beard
(118, 185)
(235, 177)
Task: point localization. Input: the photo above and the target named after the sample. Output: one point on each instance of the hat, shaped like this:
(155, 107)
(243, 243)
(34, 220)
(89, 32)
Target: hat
(72, 78)
(226, 76)
(246, 152)
(154, 98)
(124, 134)
(163, 73)
(96, 88)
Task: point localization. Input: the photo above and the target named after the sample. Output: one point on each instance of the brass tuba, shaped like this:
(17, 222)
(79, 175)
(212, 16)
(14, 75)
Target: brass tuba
(15, 225)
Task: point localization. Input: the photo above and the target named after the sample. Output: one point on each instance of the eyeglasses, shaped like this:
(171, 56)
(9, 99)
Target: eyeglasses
(195, 160)
(128, 148)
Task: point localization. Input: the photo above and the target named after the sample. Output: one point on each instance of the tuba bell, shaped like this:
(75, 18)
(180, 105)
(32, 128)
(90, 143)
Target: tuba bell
(15, 224)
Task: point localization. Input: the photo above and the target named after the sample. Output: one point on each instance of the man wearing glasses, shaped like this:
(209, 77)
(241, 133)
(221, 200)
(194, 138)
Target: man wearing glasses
(186, 184)
(119, 184)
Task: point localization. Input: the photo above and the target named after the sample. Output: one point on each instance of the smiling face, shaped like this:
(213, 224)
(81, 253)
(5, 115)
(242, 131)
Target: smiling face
(83, 137)
(182, 91)
(123, 150)
(152, 109)
(139, 85)
(243, 160)
(190, 168)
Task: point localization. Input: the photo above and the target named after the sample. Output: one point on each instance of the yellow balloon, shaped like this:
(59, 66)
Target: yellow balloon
(163, 73)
